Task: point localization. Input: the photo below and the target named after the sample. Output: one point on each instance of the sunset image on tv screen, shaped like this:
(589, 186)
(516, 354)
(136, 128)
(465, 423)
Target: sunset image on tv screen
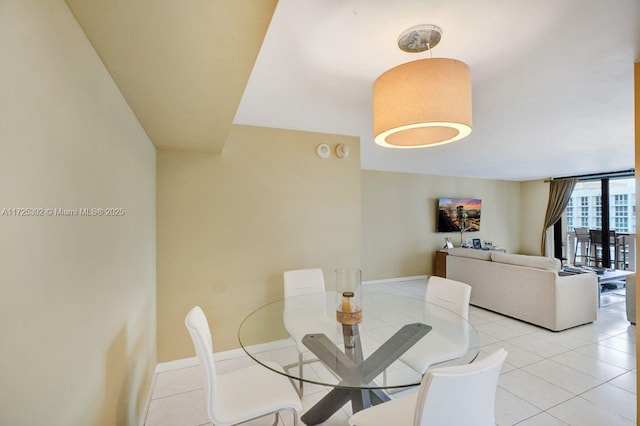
(459, 214)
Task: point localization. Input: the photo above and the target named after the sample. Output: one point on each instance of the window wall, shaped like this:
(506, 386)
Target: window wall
(587, 209)
(585, 206)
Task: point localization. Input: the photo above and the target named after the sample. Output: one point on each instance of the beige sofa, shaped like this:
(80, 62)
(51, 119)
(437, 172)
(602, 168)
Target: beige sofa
(527, 288)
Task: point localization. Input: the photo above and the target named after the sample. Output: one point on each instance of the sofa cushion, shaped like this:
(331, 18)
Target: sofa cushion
(538, 262)
(468, 252)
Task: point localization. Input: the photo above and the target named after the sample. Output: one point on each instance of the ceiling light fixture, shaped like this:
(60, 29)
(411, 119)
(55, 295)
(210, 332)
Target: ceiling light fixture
(425, 102)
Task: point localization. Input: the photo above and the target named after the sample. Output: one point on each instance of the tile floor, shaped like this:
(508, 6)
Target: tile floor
(582, 376)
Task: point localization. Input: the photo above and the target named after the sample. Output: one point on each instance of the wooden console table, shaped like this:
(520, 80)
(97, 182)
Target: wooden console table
(440, 264)
(440, 267)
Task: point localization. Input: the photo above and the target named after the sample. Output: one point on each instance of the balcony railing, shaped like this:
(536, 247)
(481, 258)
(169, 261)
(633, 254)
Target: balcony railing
(623, 253)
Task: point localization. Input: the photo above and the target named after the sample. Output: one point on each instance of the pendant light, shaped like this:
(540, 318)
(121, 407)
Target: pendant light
(425, 102)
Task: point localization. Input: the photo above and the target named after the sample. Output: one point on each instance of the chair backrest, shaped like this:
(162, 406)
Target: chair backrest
(449, 294)
(595, 236)
(303, 281)
(582, 235)
(196, 323)
(460, 395)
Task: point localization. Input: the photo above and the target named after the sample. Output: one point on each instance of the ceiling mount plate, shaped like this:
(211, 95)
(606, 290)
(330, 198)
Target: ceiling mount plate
(420, 38)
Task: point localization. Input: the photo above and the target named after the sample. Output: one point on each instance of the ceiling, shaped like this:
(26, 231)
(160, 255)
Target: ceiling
(182, 66)
(552, 79)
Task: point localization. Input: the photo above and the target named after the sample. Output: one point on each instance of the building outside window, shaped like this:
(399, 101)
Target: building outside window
(621, 212)
(584, 211)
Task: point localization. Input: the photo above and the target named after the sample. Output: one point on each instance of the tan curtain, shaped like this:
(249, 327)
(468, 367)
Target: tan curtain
(559, 193)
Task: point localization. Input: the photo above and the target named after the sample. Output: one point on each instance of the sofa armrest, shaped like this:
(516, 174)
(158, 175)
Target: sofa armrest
(631, 298)
(576, 300)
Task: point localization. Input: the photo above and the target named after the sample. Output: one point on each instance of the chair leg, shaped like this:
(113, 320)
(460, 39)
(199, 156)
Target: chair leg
(275, 423)
(300, 364)
(588, 252)
(293, 412)
(300, 372)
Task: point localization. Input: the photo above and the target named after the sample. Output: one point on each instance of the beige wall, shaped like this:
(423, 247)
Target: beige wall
(77, 311)
(229, 225)
(535, 197)
(399, 219)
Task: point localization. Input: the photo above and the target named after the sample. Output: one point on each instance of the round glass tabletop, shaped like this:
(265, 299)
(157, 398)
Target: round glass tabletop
(398, 339)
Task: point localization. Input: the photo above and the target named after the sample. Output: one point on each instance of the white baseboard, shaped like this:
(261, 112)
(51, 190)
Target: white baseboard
(177, 364)
(395, 280)
(163, 367)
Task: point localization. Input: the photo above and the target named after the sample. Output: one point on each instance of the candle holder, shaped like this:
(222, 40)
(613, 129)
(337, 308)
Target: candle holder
(349, 295)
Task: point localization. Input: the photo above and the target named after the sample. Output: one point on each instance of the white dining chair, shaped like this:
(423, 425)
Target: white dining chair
(456, 395)
(240, 395)
(450, 339)
(449, 294)
(302, 282)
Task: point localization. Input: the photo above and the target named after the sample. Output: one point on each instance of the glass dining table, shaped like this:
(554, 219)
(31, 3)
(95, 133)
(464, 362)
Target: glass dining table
(397, 339)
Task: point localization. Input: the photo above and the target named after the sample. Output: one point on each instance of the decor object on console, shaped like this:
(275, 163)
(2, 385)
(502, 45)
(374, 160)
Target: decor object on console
(447, 243)
(425, 102)
(527, 288)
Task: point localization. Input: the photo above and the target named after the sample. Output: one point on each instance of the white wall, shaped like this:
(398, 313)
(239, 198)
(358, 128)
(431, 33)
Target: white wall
(77, 304)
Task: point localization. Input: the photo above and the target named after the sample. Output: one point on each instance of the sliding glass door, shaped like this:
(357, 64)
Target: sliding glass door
(607, 205)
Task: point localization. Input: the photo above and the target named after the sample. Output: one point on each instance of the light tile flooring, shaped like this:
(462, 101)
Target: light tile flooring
(582, 376)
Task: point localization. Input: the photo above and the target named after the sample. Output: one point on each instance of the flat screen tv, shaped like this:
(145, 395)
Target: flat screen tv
(458, 215)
